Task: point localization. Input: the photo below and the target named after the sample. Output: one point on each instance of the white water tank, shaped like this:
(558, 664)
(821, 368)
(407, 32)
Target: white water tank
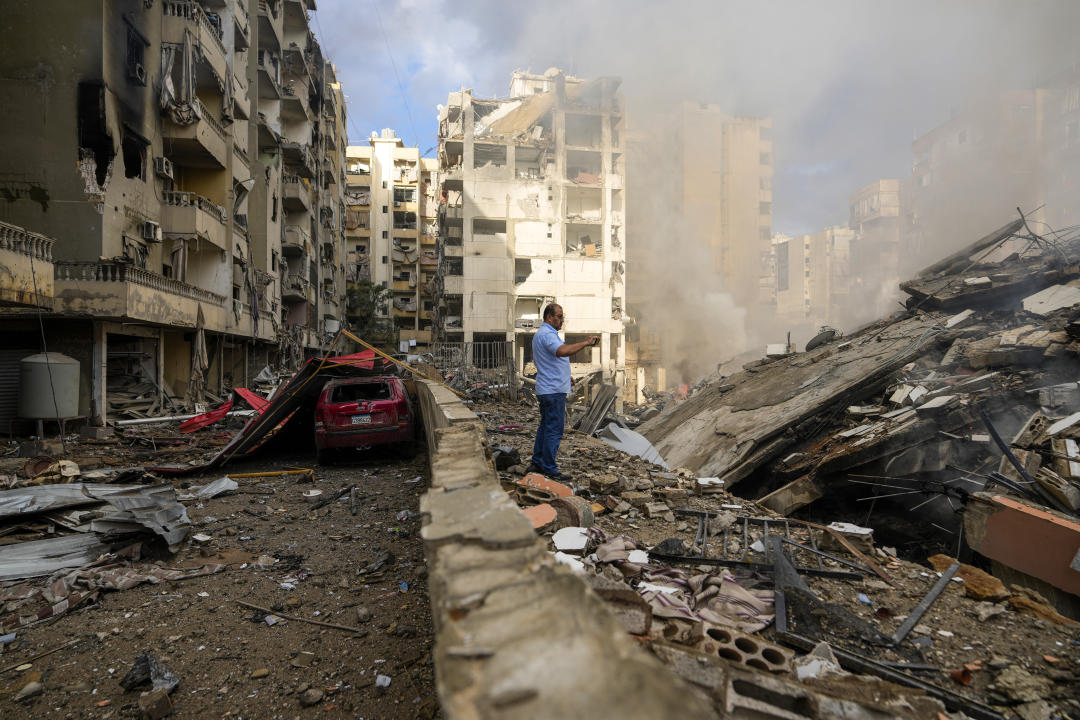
(42, 378)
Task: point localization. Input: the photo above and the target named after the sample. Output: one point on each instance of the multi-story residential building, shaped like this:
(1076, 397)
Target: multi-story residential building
(1058, 108)
(725, 186)
(174, 150)
(971, 173)
(391, 227)
(876, 249)
(699, 220)
(813, 281)
(531, 211)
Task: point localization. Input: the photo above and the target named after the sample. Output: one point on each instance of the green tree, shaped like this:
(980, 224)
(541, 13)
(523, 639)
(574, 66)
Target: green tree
(367, 311)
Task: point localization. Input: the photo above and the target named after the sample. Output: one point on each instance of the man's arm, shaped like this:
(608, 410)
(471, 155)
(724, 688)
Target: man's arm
(567, 350)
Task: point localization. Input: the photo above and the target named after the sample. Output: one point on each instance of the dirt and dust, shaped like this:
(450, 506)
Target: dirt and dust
(286, 555)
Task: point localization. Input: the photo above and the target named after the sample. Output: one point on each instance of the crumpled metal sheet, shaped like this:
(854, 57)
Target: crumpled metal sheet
(631, 442)
(127, 508)
(43, 557)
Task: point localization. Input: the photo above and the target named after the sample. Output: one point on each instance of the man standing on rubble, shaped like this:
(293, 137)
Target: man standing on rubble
(552, 358)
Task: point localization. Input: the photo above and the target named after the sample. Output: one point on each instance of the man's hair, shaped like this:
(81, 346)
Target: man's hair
(549, 311)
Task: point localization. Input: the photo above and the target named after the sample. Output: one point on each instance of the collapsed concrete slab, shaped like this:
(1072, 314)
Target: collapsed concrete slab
(730, 433)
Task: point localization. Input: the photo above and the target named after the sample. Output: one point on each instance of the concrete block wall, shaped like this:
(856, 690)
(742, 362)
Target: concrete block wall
(517, 636)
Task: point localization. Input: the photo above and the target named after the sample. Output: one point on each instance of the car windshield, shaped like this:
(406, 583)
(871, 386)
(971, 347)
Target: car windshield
(361, 391)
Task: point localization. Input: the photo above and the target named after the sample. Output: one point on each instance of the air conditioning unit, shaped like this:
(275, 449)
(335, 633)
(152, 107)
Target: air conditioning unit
(163, 167)
(151, 231)
(137, 73)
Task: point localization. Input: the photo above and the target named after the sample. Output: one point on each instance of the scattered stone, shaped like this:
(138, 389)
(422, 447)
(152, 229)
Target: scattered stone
(303, 659)
(985, 610)
(978, 584)
(363, 614)
(311, 697)
(155, 704)
(29, 690)
(1019, 685)
(260, 673)
(1026, 606)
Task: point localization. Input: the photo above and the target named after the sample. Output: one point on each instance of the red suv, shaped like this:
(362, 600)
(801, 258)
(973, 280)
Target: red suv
(360, 412)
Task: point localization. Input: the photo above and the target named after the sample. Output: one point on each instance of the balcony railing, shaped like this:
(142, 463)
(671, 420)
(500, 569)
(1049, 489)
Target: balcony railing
(125, 273)
(193, 11)
(205, 114)
(16, 239)
(190, 199)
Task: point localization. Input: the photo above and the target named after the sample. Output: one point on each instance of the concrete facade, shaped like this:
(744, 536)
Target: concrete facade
(187, 158)
(392, 225)
(532, 211)
(813, 283)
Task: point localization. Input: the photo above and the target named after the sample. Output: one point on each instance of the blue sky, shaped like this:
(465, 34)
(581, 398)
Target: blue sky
(848, 83)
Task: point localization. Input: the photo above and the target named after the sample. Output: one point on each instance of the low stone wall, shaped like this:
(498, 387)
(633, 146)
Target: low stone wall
(516, 635)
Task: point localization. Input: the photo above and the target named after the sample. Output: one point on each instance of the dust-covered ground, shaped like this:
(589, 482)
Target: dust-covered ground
(283, 555)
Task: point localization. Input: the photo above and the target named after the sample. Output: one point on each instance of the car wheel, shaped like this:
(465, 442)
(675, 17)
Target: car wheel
(407, 449)
(322, 456)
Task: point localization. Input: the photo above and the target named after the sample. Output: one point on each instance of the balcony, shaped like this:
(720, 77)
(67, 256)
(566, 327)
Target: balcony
(125, 292)
(27, 280)
(297, 241)
(241, 101)
(242, 26)
(294, 99)
(270, 22)
(297, 194)
(200, 144)
(300, 157)
(295, 289)
(269, 76)
(180, 16)
(186, 215)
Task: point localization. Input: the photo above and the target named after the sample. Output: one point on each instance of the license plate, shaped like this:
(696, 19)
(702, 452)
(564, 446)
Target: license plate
(361, 419)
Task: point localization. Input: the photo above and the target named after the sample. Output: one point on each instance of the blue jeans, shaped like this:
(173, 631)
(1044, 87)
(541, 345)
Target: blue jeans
(550, 432)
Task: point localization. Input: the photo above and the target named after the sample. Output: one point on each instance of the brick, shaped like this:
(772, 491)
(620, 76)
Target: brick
(636, 499)
(656, 509)
(674, 495)
(542, 516)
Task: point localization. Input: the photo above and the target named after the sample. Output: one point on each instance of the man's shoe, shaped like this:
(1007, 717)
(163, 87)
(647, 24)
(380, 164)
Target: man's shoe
(534, 469)
(561, 477)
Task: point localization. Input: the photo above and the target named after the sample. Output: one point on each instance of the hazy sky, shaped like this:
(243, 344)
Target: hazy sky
(848, 83)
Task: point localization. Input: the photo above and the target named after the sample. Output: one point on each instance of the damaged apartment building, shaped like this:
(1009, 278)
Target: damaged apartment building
(391, 226)
(185, 163)
(531, 210)
(698, 241)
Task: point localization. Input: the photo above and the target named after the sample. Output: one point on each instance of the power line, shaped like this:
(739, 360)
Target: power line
(397, 76)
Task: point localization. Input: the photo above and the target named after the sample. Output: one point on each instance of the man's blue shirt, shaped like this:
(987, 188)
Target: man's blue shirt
(552, 371)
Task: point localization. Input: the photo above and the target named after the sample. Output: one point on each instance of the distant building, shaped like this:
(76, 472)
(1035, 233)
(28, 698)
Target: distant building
(699, 221)
(725, 193)
(391, 228)
(813, 282)
(1059, 112)
(531, 211)
(969, 175)
(876, 249)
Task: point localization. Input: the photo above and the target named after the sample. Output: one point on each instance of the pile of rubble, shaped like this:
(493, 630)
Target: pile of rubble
(951, 428)
(710, 581)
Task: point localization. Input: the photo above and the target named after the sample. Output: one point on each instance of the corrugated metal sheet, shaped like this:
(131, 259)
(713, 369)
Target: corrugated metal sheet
(9, 384)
